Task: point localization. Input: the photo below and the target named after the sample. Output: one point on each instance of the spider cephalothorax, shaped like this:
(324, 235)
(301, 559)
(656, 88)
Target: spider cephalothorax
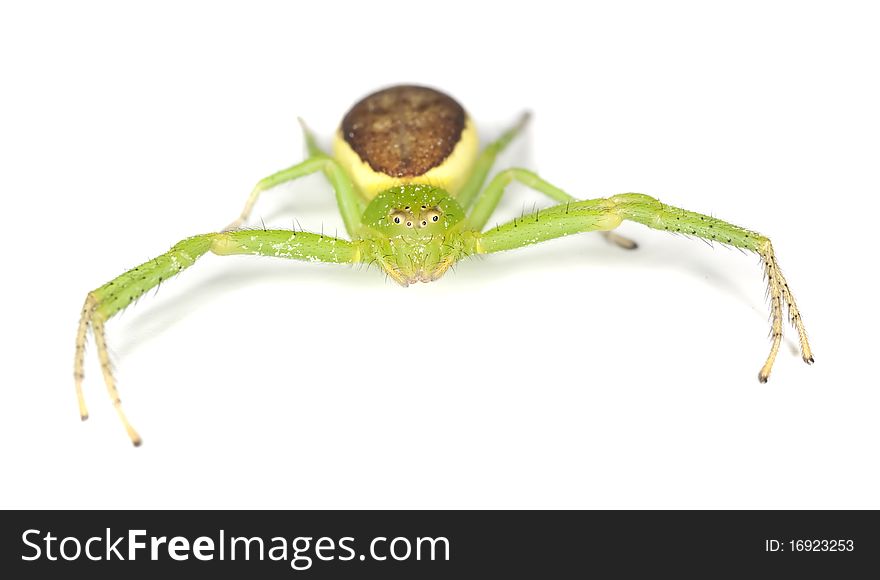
(414, 232)
(409, 186)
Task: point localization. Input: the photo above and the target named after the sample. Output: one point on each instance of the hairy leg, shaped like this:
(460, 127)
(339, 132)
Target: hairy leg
(486, 160)
(607, 214)
(350, 203)
(654, 214)
(103, 303)
(491, 196)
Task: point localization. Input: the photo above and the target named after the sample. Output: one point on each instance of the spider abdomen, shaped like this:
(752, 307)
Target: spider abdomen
(406, 134)
(404, 131)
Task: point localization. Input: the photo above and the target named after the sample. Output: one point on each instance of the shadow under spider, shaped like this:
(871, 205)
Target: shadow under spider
(149, 323)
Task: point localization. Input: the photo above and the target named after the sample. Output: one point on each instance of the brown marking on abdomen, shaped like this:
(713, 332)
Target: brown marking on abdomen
(404, 131)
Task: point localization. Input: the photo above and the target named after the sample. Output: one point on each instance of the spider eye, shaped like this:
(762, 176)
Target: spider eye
(431, 215)
(398, 217)
(409, 224)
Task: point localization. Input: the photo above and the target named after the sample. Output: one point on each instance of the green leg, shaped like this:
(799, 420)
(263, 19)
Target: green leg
(484, 163)
(311, 143)
(607, 214)
(103, 303)
(351, 204)
(491, 196)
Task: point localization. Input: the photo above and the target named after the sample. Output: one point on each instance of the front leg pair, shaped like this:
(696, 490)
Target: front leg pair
(490, 197)
(607, 214)
(103, 303)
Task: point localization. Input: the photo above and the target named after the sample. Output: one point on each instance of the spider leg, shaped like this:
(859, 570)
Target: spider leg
(486, 160)
(491, 196)
(618, 240)
(351, 204)
(103, 303)
(607, 214)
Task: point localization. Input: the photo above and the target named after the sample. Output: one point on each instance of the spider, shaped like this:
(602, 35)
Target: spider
(408, 177)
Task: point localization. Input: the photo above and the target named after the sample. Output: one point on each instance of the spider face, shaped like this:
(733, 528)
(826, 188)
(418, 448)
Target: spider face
(415, 230)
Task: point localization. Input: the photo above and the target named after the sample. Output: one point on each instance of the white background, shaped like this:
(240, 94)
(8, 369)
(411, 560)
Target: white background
(568, 375)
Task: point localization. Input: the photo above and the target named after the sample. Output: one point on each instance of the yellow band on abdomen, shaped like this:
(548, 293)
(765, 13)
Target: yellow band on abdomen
(449, 175)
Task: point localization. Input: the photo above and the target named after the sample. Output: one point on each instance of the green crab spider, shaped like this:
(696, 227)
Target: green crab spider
(408, 177)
